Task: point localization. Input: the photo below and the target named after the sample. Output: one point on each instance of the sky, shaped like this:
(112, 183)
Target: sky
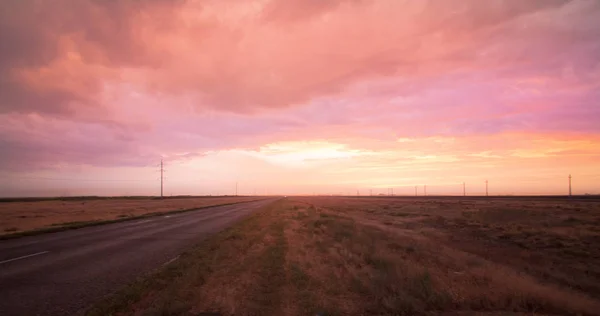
(299, 97)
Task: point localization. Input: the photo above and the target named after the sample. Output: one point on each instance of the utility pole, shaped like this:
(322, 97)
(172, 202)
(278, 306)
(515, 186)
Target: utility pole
(570, 192)
(464, 189)
(161, 178)
(425, 190)
(357, 193)
(486, 187)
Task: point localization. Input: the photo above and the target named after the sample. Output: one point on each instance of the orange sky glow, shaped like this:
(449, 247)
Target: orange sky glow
(299, 97)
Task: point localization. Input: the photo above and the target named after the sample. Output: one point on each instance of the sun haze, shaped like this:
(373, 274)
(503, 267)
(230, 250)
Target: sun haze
(299, 97)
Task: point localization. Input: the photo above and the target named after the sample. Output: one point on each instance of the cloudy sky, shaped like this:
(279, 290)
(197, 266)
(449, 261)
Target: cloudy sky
(290, 96)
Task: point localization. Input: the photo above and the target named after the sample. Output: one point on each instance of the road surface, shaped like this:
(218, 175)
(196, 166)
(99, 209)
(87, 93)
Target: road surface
(63, 273)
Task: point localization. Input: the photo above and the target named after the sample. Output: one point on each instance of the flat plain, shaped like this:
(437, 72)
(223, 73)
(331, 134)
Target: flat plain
(31, 214)
(386, 256)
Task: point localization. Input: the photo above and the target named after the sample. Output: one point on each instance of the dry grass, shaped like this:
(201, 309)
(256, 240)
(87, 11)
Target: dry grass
(487, 255)
(381, 256)
(33, 215)
(550, 239)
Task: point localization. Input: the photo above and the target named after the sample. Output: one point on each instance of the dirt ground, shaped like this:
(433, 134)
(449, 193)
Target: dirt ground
(30, 215)
(386, 256)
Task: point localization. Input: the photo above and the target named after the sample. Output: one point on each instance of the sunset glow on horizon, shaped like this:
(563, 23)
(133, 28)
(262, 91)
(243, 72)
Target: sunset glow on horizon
(299, 97)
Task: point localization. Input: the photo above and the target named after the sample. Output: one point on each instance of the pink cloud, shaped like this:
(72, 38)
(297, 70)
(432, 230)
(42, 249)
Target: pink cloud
(232, 57)
(122, 83)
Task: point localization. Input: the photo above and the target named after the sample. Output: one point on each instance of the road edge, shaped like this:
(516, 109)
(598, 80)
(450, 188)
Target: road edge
(79, 225)
(130, 293)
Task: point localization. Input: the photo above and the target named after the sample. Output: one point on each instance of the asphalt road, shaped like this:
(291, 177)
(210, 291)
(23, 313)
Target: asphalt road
(63, 273)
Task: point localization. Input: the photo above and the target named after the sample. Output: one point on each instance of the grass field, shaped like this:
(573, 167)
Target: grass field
(28, 215)
(385, 256)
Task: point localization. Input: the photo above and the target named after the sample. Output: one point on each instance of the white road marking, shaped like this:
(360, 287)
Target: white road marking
(166, 263)
(146, 221)
(23, 257)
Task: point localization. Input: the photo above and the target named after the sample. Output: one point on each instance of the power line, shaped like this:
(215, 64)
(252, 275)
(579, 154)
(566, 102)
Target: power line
(75, 179)
(486, 187)
(161, 177)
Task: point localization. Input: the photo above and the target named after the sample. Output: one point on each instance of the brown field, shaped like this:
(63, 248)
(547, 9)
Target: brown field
(386, 256)
(23, 216)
